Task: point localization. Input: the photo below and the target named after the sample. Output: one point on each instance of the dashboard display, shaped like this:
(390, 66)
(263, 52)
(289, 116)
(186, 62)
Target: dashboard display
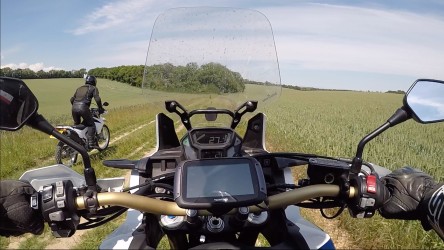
(210, 137)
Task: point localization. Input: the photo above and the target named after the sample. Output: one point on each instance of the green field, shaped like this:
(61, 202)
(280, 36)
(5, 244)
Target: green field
(54, 94)
(332, 123)
(320, 122)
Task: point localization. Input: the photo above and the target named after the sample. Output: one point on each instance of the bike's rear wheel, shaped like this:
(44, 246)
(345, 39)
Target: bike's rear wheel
(103, 138)
(65, 155)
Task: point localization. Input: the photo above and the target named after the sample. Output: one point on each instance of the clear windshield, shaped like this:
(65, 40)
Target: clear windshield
(212, 57)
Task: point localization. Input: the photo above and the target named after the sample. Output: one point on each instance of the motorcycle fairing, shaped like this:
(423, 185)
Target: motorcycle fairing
(254, 137)
(122, 237)
(166, 133)
(99, 124)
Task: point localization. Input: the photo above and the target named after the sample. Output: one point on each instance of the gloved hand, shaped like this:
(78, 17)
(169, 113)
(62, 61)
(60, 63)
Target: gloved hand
(101, 110)
(410, 191)
(16, 215)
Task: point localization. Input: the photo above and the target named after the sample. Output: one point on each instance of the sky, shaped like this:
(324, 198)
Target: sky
(375, 45)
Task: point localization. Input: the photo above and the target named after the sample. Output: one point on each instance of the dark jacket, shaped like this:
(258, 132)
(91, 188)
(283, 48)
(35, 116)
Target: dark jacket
(84, 95)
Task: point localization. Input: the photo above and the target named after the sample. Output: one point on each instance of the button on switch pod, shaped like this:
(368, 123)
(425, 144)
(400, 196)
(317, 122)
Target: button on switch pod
(371, 184)
(57, 216)
(47, 193)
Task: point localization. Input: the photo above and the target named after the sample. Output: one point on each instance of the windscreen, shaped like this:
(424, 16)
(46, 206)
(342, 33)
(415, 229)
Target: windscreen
(212, 58)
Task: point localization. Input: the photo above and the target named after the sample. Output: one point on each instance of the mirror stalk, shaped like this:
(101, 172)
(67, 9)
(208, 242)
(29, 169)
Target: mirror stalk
(401, 115)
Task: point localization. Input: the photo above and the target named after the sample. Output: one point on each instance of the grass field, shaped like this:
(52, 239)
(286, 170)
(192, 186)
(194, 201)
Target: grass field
(320, 122)
(54, 94)
(332, 123)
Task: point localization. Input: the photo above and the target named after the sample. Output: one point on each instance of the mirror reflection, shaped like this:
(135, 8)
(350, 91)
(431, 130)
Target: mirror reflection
(17, 103)
(426, 100)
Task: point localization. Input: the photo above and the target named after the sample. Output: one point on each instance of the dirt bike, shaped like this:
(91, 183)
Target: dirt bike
(66, 155)
(213, 188)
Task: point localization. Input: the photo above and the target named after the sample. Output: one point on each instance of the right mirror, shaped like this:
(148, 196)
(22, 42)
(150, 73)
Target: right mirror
(426, 99)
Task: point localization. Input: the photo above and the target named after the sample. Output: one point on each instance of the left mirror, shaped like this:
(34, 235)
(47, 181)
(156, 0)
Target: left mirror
(17, 103)
(426, 99)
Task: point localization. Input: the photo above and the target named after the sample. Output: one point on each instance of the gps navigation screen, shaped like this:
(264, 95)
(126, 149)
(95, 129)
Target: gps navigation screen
(219, 181)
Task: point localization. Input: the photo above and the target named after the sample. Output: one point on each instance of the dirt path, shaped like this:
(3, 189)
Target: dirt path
(340, 237)
(50, 160)
(68, 243)
(14, 242)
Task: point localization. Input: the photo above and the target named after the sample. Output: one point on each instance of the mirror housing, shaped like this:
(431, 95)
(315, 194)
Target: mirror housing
(17, 104)
(425, 100)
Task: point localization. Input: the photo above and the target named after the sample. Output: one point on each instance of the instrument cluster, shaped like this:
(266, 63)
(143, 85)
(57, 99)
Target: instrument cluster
(211, 143)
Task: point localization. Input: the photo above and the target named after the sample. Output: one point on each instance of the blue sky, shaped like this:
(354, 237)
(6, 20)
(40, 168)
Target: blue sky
(364, 45)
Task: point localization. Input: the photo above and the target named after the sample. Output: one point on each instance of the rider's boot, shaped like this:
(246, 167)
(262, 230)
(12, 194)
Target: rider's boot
(92, 142)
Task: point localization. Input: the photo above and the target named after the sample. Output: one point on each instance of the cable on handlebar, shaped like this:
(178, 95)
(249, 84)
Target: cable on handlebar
(370, 166)
(261, 207)
(89, 225)
(166, 196)
(281, 185)
(149, 184)
(341, 209)
(103, 212)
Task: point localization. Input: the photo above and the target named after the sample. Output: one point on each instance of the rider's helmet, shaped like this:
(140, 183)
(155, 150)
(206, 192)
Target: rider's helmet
(91, 80)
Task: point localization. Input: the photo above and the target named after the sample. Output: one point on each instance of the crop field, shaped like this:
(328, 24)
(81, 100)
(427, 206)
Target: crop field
(332, 123)
(320, 122)
(54, 94)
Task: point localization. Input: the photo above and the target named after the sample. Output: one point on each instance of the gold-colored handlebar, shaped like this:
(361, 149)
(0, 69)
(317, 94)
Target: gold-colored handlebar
(155, 206)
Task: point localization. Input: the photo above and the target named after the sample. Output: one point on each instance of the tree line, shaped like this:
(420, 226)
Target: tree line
(30, 74)
(206, 78)
(318, 89)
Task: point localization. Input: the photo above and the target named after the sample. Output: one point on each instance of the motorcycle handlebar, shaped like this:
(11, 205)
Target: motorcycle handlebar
(96, 111)
(160, 207)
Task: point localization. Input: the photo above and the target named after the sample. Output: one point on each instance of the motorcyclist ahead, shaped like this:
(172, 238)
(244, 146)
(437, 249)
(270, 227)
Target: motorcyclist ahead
(414, 196)
(81, 102)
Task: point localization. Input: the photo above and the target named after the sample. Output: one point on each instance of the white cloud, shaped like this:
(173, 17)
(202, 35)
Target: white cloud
(312, 36)
(331, 37)
(34, 67)
(115, 14)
